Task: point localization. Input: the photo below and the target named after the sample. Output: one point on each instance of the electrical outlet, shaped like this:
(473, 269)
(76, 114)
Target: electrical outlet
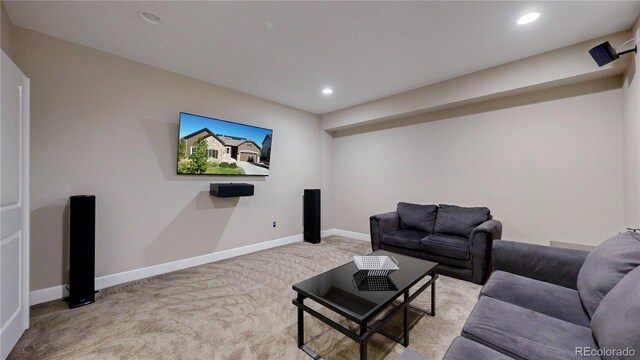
(274, 224)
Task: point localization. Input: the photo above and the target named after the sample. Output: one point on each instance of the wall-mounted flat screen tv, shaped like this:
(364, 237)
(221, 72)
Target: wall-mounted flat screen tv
(208, 146)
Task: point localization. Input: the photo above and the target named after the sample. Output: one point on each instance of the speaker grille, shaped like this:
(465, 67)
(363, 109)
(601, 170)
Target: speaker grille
(311, 215)
(82, 216)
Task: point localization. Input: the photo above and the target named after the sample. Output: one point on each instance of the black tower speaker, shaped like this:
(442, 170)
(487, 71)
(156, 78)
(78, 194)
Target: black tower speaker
(312, 215)
(82, 215)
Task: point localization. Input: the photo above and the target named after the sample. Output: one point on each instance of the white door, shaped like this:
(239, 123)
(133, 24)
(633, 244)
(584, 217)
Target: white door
(14, 205)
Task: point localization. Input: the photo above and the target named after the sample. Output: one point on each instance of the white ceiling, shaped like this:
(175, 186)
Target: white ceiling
(288, 51)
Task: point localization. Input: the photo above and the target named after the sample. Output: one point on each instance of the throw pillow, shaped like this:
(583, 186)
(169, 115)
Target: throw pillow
(418, 217)
(460, 221)
(606, 266)
(615, 322)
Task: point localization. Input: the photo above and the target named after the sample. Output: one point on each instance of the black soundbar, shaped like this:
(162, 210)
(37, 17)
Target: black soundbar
(231, 189)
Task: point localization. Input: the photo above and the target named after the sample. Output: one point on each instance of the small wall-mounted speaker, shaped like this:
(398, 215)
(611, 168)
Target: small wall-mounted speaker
(603, 53)
(311, 216)
(82, 218)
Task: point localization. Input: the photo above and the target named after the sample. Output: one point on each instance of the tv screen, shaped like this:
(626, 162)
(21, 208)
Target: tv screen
(208, 146)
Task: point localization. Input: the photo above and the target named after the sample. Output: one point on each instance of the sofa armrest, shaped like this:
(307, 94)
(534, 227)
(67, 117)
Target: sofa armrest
(493, 228)
(382, 224)
(549, 264)
(481, 241)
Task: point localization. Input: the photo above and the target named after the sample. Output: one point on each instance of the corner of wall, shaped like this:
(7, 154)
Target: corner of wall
(7, 32)
(326, 177)
(631, 108)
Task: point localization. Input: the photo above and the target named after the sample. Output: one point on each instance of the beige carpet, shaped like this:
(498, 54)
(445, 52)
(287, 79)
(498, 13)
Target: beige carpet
(233, 309)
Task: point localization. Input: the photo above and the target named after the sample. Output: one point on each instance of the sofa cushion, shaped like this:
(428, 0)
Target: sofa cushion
(460, 221)
(404, 238)
(616, 322)
(606, 266)
(465, 349)
(446, 245)
(524, 334)
(543, 297)
(417, 217)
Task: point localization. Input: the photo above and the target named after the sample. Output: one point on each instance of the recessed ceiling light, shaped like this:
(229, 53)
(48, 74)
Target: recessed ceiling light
(528, 18)
(327, 91)
(150, 17)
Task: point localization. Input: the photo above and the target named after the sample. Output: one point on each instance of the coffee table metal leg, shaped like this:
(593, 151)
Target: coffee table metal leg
(406, 320)
(363, 344)
(300, 323)
(433, 298)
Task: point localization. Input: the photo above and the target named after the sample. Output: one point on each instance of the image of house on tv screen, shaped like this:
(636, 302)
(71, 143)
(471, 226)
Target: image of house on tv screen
(210, 146)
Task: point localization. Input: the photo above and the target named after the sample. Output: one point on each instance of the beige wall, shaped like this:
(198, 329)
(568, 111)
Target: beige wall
(107, 126)
(632, 140)
(6, 35)
(549, 170)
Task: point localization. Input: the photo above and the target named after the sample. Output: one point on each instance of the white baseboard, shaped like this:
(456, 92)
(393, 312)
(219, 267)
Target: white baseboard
(346, 233)
(48, 294)
(328, 232)
(567, 245)
(59, 292)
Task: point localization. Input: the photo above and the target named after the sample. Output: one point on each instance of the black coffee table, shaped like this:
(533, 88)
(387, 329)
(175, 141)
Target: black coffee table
(340, 291)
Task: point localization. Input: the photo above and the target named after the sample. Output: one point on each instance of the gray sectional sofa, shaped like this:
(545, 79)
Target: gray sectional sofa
(550, 303)
(457, 238)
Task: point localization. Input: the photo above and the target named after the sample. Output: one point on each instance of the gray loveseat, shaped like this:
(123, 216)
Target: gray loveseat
(551, 303)
(457, 238)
